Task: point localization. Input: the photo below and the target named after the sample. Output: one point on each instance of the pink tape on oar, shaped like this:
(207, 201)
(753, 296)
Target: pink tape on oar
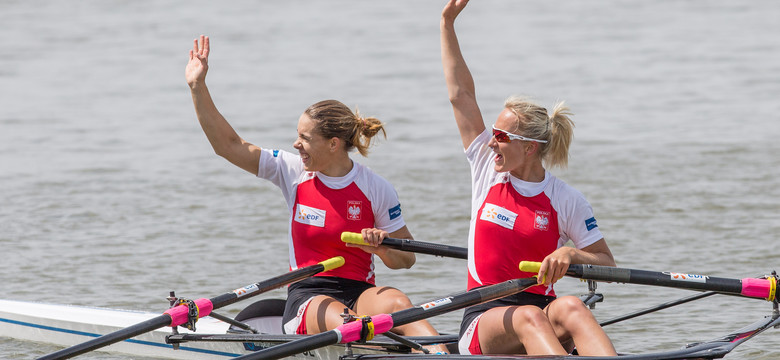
(759, 288)
(179, 313)
(351, 331)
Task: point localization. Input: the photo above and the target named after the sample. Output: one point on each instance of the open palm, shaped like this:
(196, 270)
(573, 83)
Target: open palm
(198, 65)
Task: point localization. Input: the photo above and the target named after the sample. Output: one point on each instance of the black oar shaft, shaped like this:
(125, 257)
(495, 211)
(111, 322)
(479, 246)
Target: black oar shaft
(412, 246)
(307, 343)
(462, 300)
(266, 285)
(216, 303)
(108, 339)
(403, 317)
(643, 277)
(427, 248)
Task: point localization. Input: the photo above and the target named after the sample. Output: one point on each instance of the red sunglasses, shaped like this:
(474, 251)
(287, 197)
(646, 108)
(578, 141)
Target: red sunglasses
(505, 136)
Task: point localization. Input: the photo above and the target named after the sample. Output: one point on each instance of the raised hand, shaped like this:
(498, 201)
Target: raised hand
(452, 9)
(196, 69)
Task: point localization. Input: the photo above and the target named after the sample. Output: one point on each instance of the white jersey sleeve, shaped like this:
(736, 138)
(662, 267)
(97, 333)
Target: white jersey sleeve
(576, 220)
(282, 168)
(383, 197)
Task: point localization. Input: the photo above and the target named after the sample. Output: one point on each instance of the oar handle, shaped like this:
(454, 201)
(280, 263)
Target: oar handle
(332, 263)
(748, 287)
(411, 246)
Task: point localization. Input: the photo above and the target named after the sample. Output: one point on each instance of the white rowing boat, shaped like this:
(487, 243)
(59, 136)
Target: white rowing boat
(138, 332)
(68, 325)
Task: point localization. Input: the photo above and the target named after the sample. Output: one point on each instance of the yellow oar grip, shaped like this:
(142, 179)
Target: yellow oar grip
(530, 266)
(352, 238)
(332, 263)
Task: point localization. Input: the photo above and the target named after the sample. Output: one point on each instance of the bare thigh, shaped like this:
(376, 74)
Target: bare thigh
(517, 330)
(324, 313)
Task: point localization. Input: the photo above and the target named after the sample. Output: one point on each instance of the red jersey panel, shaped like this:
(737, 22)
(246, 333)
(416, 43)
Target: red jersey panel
(320, 215)
(520, 228)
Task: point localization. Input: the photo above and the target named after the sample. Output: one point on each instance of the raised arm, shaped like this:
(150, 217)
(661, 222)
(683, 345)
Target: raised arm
(223, 138)
(460, 84)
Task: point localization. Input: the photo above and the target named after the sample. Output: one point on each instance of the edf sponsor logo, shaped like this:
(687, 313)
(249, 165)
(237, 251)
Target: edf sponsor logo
(310, 216)
(688, 277)
(498, 215)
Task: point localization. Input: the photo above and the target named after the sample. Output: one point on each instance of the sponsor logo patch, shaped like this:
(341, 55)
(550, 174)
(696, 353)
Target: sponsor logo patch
(688, 277)
(310, 216)
(245, 290)
(353, 210)
(395, 212)
(590, 224)
(276, 153)
(542, 220)
(435, 303)
(498, 216)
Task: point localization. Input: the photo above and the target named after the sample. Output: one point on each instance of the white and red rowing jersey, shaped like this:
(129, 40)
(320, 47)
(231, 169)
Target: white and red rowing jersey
(513, 220)
(322, 207)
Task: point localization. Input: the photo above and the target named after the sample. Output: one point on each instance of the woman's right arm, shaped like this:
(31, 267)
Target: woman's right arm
(223, 138)
(460, 84)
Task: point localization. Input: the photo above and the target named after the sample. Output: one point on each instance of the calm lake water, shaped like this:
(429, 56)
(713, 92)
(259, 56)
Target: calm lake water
(111, 196)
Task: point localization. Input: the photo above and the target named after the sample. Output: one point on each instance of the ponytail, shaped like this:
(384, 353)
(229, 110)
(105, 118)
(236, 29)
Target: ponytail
(534, 122)
(334, 119)
(365, 129)
(561, 133)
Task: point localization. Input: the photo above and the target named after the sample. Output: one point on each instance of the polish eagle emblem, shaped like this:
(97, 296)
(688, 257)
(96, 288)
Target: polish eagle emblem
(353, 210)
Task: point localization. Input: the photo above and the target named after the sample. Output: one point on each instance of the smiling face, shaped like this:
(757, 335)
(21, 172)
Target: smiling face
(513, 156)
(315, 150)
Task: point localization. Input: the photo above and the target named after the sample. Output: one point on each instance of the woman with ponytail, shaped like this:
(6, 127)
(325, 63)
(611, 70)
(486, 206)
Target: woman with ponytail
(327, 193)
(520, 211)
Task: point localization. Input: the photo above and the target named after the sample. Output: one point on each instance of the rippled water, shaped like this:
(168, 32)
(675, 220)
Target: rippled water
(111, 195)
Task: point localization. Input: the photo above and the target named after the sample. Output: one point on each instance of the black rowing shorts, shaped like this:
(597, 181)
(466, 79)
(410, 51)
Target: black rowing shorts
(346, 291)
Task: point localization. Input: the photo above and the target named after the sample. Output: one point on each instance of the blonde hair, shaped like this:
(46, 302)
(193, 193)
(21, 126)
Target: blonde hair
(334, 119)
(534, 122)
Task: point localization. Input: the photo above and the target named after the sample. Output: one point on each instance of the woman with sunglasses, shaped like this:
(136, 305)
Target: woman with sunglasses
(327, 193)
(520, 211)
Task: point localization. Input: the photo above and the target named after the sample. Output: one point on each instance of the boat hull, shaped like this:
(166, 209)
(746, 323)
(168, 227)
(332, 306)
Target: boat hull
(68, 325)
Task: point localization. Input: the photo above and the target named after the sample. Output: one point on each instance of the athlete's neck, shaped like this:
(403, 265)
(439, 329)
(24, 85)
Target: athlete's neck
(339, 168)
(534, 173)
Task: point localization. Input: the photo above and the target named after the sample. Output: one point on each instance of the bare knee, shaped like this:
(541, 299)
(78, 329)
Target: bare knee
(395, 299)
(569, 312)
(382, 300)
(529, 317)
